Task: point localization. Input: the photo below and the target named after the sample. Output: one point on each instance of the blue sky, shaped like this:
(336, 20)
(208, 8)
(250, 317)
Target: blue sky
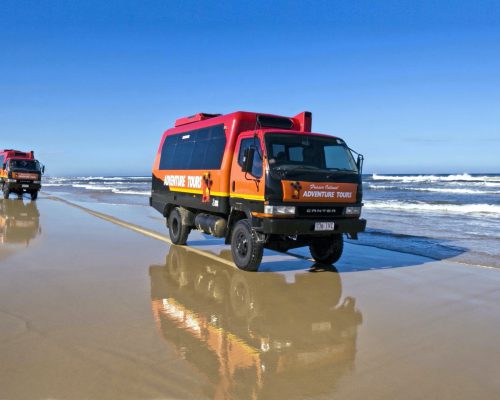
(91, 86)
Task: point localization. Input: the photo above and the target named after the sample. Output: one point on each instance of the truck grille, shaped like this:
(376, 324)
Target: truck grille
(320, 211)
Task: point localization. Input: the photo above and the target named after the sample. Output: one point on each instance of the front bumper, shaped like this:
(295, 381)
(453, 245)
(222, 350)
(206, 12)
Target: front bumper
(292, 226)
(23, 186)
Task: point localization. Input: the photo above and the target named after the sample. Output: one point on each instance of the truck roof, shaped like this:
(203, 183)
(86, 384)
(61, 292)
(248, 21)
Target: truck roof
(11, 153)
(246, 121)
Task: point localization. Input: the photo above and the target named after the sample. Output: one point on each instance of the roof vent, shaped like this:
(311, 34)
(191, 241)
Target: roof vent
(194, 118)
(269, 121)
(305, 121)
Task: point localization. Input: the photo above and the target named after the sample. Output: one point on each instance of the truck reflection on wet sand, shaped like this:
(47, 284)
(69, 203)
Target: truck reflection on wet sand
(19, 222)
(255, 335)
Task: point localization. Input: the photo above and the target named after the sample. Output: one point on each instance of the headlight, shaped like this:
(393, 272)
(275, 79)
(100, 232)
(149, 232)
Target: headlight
(279, 210)
(37, 182)
(352, 211)
(11, 180)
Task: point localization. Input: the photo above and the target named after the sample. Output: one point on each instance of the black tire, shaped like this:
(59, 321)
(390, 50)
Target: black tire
(177, 230)
(6, 193)
(176, 268)
(247, 252)
(34, 195)
(240, 296)
(327, 250)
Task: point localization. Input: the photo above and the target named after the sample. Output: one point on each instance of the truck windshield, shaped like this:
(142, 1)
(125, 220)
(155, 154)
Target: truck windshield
(25, 165)
(301, 152)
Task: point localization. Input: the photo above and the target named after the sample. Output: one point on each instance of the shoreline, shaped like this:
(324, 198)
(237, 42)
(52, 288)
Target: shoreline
(465, 238)
(96, 197)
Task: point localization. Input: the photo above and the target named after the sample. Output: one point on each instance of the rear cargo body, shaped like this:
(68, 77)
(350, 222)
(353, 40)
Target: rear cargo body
(20, 173)
(268, 175)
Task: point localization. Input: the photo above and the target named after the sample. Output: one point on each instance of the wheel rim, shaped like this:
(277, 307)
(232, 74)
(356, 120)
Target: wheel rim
(241, 244)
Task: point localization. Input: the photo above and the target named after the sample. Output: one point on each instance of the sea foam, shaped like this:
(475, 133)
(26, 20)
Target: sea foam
(435, 178)
(490, 209)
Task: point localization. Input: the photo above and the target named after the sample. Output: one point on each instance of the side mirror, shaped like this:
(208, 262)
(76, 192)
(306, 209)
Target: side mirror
(43, 169)
(359, 163)
(248, 159)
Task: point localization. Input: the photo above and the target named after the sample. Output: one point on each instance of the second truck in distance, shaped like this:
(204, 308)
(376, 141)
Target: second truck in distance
(20, 173)
(259, 181)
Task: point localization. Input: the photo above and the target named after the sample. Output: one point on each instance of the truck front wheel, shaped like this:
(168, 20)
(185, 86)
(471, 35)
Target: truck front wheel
(327, 250)
(177, 230)
(246, 250)
(34, 195)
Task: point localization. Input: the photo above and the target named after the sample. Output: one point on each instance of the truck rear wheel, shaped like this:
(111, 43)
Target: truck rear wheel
(34, 195)
(247, 252)
(327, 250)
(6, 192)
(177, 230)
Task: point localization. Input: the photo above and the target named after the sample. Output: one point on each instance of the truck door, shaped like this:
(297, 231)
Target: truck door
(248, 185)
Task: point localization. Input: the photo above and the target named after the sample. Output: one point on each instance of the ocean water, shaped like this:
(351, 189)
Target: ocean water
(108, 189)
(441, 216)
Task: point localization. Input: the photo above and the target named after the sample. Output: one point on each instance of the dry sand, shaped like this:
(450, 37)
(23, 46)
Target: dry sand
(94, 310)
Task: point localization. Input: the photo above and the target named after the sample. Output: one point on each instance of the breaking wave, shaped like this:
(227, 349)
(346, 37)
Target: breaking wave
(141, 193)
(436, 190)
(490, 209)
(112, 189)
(120, 185)
(109, 178)
(436, 178)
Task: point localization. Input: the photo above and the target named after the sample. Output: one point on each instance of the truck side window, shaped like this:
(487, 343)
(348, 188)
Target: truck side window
(257, 160)
(196, 149)
(1, 162)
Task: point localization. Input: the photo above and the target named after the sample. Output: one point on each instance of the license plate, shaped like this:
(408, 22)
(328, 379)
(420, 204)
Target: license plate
(25, 186)
(324, 226)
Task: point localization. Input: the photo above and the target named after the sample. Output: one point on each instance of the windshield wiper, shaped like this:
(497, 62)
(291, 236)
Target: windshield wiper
(293, 167)
(341, 170)
(307, 167)
(294, 170)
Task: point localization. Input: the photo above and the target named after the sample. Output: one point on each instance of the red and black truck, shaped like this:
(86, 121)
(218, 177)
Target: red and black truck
(259, 181)
(20, 173)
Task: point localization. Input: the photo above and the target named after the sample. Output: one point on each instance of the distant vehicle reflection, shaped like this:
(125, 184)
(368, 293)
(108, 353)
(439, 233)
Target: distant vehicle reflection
(19, 222)
(255, 335)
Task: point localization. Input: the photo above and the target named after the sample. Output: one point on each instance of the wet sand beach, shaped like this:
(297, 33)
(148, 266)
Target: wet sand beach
(96, 304)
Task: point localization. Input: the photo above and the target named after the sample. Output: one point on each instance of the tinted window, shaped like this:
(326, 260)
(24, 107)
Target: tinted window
(279, 148)
(257, 155)
(337, 157)
(308, 151)
(1, 161)
(27, 165)
(296, 153)
(197, 149)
